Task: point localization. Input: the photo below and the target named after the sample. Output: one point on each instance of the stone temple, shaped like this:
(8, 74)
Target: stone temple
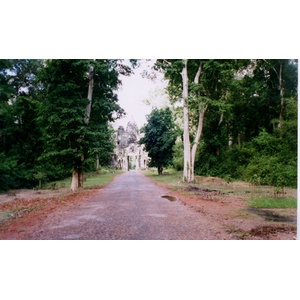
(129, 154)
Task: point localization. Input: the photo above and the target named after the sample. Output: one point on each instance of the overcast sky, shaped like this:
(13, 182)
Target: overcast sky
(136, 90)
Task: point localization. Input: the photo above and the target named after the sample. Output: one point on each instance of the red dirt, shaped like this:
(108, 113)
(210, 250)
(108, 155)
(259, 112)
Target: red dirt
(233, 213)
(226, 211)
(26, 213)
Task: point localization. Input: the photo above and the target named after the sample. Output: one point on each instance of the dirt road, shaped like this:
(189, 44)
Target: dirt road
(130, 208)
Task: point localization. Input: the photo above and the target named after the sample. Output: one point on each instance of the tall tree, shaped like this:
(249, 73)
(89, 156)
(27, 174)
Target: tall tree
(177, 72)
(280, 76)
(77, 176)
(198, 84)
(79, 100)
(159, 138)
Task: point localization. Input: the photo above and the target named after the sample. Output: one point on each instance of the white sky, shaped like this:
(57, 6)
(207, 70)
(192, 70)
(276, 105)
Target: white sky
(135, 90)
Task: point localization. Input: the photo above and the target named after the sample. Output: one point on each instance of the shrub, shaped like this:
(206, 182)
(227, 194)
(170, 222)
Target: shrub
(271, 171)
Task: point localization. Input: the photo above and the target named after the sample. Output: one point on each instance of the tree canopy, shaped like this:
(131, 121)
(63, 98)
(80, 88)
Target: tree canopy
(44, 129)
(159, 138)
(237, 118)
(237, 105)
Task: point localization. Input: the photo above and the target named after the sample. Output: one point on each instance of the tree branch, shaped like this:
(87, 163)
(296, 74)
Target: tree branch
(90, 94)
(199, 73)
(272, 68)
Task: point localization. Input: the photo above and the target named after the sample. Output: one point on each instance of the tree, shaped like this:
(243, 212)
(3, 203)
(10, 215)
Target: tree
(54, 117)
(159, 138)
(78, 102)
(206, 89)
(177, 73)
(280, 77)
(252, 111)
(77, 176)
(19, 133)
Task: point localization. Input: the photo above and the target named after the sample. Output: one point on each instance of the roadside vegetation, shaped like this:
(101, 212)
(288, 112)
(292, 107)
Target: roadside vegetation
(235, 119)
(246, 210)
(254, 195)
(238, 118)
(271, 202)
(91, 180)
(55, 119)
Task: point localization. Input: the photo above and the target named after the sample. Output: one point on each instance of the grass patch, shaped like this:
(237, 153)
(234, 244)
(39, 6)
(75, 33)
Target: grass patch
(259, 196)
(92, 180)
(170, 176)
(271, 202)
(100, 179)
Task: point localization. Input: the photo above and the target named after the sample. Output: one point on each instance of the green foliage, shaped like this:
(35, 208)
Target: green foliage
(265, 160)
(7, 168)
(68, 140)
(273, 161)
(271, 171)
(178, 155)
(170, 176)
(270, 202)
(42, 106)
(42, 109)
(248, 118)
(19, 134)
(159, 139)
(233, 160)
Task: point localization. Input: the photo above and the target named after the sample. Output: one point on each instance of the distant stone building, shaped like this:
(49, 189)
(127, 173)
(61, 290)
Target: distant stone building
(128, 153)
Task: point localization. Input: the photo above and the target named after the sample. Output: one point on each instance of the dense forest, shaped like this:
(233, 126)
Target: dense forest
(237, 118)
(55, 118)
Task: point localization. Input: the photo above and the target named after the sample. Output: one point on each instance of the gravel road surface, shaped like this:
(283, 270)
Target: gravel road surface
(129, 208)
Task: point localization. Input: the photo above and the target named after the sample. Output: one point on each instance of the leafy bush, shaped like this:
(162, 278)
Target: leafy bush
(178, 155)
(271, 171)
(267, 159)
(7, 167)
(272, 162)
(233, 161)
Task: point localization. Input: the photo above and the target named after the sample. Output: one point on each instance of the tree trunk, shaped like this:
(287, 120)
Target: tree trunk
(190, 154)
(281, 89)
(160, 170)
(77, 177)
(202, 109)
(239, 139)
(281, 96)
(186, 133)
(97, 163)
(80, 178)
(90, 95)
(75, 181)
